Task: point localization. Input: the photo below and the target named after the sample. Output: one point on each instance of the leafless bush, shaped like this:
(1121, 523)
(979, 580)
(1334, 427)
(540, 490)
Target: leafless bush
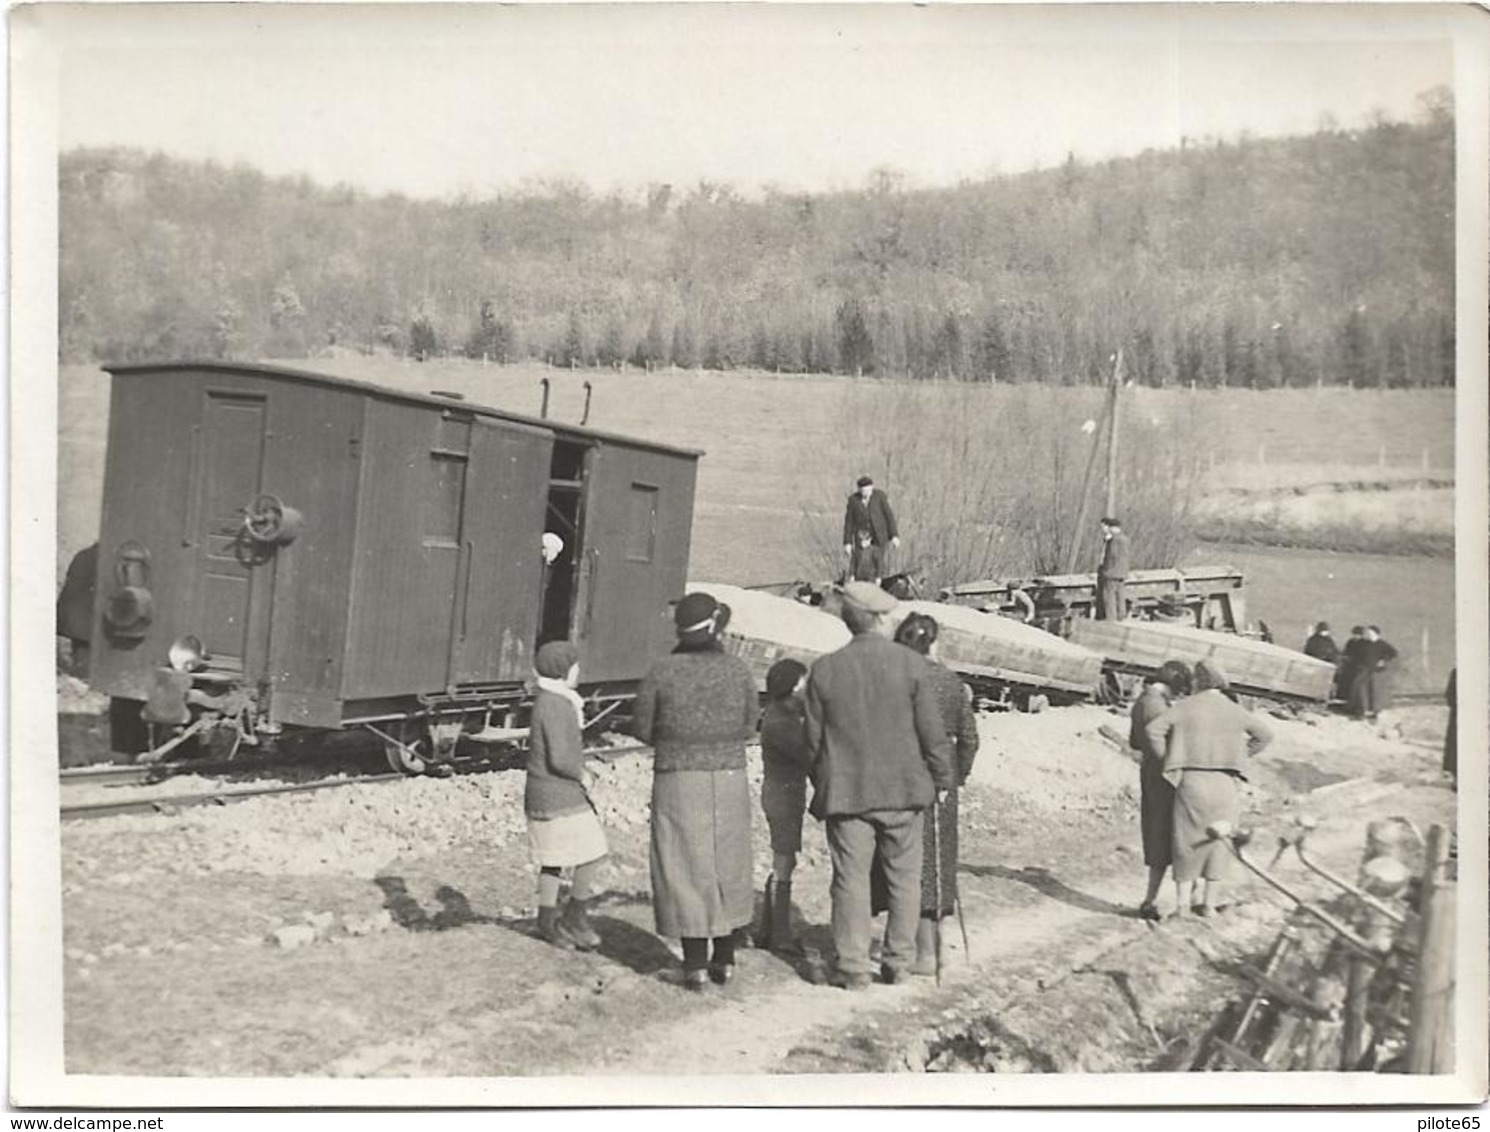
(987, 482)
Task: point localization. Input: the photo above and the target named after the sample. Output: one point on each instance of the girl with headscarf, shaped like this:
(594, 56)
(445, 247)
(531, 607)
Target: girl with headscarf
(1205, 739)
(697, 707)
(783, 792)
(563, 829)
(1156, 795)
(918, 632)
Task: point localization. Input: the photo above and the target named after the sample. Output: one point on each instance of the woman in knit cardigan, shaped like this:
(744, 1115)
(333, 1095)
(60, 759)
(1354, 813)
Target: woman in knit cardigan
(1206, 740)
(697, 707)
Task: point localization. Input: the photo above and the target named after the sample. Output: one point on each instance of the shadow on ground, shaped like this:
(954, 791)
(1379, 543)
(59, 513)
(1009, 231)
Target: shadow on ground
(1046, 883)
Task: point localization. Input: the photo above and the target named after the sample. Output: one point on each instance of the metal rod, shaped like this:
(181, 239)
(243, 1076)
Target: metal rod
(585, 417)
(543, 409)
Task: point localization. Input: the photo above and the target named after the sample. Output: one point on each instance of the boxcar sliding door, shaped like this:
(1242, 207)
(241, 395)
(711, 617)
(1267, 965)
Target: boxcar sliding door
(496, 609)
(638, 521)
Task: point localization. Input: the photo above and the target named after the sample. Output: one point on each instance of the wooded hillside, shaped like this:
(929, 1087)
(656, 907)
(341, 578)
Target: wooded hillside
(1326, 258)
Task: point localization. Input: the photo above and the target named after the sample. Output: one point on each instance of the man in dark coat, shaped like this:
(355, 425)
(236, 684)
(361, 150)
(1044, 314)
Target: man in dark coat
(868, 528)
(1113, 572)
(880, 756)
(1368, 688)
(1321, 646)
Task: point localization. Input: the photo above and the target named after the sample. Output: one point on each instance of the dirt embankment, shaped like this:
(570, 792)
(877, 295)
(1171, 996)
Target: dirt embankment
(385, 930)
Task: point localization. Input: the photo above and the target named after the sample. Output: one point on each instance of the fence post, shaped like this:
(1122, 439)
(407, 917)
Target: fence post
(1430, 1031)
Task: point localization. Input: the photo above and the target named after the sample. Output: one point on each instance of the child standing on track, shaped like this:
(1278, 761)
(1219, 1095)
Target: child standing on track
(783, 793)
(563, 829)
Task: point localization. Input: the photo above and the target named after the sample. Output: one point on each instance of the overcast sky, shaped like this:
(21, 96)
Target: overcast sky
(434, 100)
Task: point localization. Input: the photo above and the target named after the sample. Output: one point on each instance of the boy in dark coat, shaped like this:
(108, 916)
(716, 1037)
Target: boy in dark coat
(783, 792)
(880, 756)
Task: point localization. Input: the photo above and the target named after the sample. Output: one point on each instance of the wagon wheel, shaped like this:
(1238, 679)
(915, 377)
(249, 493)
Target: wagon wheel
(406, 747)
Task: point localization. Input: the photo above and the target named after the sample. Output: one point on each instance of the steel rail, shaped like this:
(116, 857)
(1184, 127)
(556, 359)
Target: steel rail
(171, 803)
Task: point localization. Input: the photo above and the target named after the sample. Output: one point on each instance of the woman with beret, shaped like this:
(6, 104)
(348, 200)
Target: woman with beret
(1155, 794)
(697, 707)
(563, 829)
(1205, 739)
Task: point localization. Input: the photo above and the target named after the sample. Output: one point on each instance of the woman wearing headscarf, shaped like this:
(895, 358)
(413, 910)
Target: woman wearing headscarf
(918, 632)
(1156, 796)
(1206, 739)
(697, 707)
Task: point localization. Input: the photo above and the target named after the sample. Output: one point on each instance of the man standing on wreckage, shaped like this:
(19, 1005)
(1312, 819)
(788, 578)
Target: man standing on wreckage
(868, 530)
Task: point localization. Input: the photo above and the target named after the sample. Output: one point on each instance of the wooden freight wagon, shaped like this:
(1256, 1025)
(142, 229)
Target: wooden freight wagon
(347, 554)
(1252, 666)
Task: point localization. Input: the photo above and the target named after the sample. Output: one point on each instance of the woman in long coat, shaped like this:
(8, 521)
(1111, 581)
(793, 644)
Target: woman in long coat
(918, 632)
(1156, 795)
(697, 707)
(1205, 740)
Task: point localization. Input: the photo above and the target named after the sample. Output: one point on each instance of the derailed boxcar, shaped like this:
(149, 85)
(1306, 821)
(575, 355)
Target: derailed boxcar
(324, 553)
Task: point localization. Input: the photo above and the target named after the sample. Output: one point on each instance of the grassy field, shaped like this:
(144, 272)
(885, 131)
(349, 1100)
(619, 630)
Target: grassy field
(780, 455)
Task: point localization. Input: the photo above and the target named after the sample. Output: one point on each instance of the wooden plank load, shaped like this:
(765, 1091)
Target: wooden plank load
(764, 628)
(1253, 667)
(990, 647)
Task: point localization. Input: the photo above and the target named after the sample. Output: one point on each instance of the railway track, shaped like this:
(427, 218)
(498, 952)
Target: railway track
(129, 777)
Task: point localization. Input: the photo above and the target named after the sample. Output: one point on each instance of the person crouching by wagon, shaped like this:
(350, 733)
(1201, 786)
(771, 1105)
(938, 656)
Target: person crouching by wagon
(698, 707)
(1205, 739)
(563, 829)
(1155, 794)
(783, 794)
(939, 850)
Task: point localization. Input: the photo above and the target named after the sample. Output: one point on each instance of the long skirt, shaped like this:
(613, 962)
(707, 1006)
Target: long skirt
(1203, 798)
(945, 831)
(1156, 814)
(701, 853)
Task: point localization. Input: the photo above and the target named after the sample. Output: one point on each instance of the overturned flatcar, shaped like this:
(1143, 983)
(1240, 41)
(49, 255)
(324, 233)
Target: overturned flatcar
(285, 550)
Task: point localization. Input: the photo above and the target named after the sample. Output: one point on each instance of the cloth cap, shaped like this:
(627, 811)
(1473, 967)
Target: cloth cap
(555, 659)
(1110, 521)
(1209, 675)
(1322, 627)
(868, 597)
(782, 677)
(865, 481)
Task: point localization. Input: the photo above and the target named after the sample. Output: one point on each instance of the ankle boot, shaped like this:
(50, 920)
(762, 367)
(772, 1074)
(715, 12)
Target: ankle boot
(764, 921)
(575, 923)
(781, 917)
(925, 963)
(551, 929)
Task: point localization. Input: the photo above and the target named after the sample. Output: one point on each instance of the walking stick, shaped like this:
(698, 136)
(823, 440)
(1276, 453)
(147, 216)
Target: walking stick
(936, 883)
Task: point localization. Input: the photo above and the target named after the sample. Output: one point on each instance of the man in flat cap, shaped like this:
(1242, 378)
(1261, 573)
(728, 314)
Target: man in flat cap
(868, 528)
(1112, 572)
(879, 755)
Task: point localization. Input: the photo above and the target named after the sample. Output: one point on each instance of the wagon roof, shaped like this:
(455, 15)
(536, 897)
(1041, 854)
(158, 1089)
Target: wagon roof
(373, 389)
